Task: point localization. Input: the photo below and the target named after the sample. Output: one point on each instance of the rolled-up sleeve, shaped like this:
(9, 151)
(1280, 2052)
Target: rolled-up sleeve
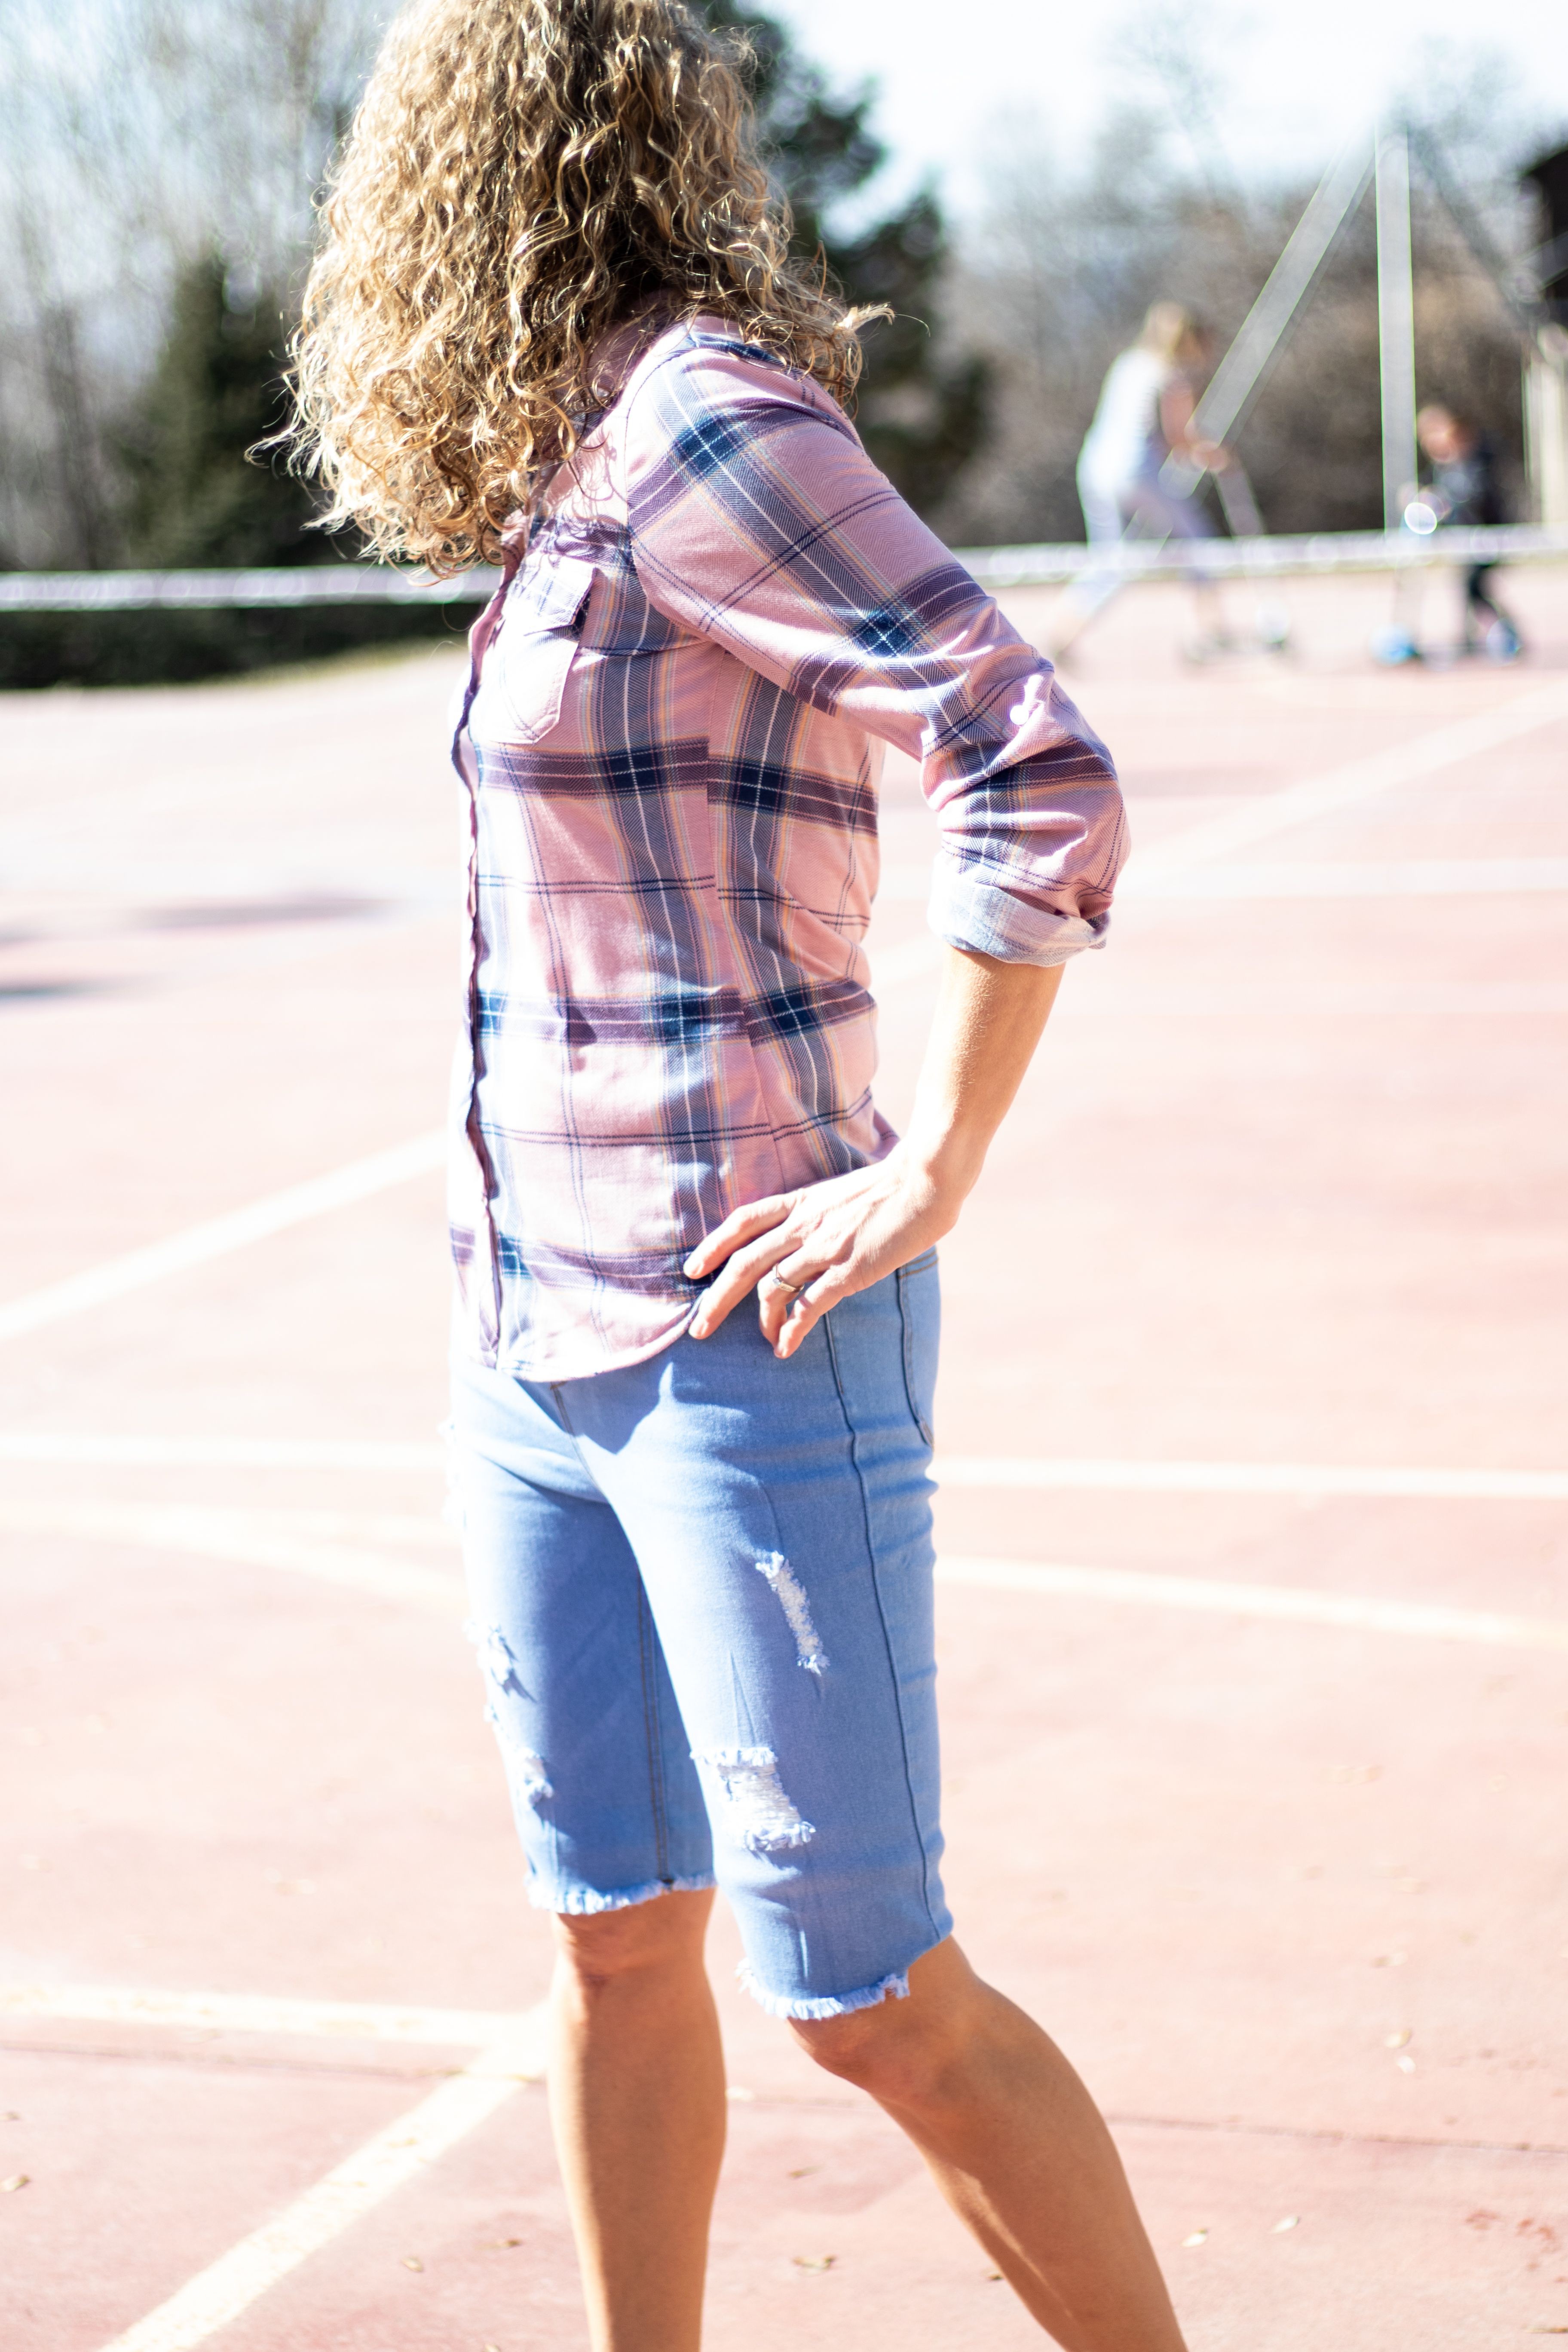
(758, 520)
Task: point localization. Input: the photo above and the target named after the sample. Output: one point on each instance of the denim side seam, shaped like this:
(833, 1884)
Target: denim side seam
(882, 1616)
(651, 1728)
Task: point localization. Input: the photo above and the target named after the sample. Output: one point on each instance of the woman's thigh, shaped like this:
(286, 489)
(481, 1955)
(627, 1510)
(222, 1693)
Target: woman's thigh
(779, 1515)
(1162, 509)
(1101, 510)
(606, 1799)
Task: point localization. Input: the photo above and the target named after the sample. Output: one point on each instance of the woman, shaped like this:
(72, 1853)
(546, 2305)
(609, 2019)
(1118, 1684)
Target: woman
(553, 319)
(1125, 480)
(1144, 418)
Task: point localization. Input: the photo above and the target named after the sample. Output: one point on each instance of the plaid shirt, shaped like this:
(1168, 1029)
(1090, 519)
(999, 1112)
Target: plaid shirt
(672, 739)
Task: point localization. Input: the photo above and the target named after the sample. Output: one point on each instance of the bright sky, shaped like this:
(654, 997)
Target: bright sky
(956, 82)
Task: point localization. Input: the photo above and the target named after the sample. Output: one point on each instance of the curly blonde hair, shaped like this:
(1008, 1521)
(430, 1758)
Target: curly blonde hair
(523, 176)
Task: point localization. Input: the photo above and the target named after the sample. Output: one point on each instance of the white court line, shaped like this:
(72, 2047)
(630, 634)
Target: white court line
(1251, 1478)
(1153, 873)
(216, 1238)
(1420, 878)
(1286, 1603)
(249, 1538)
(1408, 877)
(230, 2012)
(1406, 764)
(68, 1447)
(390, 2160)
(907, 959)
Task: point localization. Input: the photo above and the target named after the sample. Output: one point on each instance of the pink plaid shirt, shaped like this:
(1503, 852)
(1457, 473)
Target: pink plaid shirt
(671, 740)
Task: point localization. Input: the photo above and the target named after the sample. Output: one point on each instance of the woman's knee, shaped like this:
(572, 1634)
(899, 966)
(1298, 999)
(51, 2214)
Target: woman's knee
(600, 1948)
(896, 2056)
(845, 2046)
(904, 2051)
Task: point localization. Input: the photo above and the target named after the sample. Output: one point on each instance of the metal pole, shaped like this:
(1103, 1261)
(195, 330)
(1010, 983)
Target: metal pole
(1244, 366)
(1395, 321)
(1546, 425)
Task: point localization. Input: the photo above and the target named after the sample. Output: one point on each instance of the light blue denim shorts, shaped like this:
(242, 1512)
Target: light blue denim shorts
(701, 1596)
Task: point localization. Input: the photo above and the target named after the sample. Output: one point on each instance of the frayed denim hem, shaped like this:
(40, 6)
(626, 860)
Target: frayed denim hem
(585, 1902)
(893, 1987)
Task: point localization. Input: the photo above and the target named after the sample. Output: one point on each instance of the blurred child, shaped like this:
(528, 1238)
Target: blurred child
(1464, 492)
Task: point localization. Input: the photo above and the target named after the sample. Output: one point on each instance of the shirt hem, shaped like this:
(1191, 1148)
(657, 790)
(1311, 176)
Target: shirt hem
(569, 1364)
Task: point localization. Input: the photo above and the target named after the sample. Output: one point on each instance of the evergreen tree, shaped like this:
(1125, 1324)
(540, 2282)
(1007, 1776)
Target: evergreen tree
(920, 417)
(194, 497)
(189, 497)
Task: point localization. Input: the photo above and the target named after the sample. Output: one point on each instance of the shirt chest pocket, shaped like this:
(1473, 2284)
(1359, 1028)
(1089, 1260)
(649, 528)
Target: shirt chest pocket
(527, 660)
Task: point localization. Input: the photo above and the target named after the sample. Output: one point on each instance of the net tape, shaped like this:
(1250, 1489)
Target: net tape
(993, 567)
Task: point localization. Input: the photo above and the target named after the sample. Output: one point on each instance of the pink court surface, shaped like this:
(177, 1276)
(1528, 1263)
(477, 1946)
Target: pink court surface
(1254, 1522)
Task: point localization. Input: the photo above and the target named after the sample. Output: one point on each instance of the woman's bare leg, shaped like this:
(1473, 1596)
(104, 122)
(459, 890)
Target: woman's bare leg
(1018, 2149)
(637, 2099)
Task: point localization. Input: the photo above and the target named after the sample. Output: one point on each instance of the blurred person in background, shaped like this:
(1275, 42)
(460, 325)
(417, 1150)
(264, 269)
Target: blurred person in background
(1463, 491)
(1144, 416)
(1126, 483)
(554, 322)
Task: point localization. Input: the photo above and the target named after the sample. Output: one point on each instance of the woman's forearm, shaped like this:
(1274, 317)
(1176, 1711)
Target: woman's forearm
(1177, 407)
(988, 1021)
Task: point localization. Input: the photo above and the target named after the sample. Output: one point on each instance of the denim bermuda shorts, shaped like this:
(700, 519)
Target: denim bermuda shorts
(701, 1596)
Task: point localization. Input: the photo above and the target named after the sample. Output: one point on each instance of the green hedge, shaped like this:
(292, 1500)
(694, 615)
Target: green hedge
(169, 647)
